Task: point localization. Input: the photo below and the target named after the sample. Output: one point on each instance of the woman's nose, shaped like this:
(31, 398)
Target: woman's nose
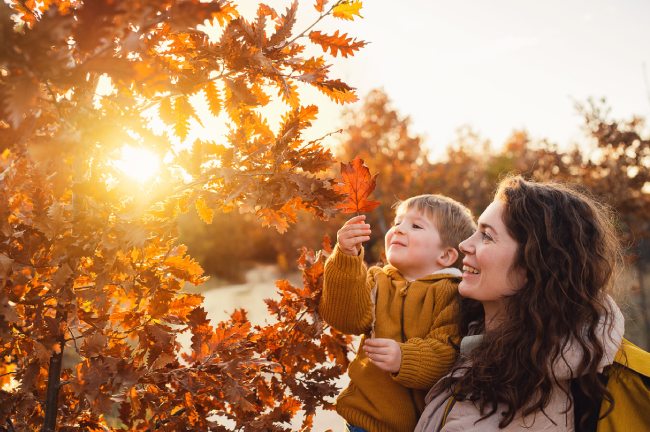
(466, 247)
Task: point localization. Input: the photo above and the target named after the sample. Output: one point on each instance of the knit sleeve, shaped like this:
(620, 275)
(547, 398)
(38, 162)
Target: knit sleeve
(345, 303)
(426, 360)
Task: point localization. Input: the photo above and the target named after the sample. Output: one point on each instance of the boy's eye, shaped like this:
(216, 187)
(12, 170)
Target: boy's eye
(416, 226)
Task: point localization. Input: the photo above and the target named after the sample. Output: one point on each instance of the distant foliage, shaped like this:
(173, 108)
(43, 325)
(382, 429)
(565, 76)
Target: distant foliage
(91, 298)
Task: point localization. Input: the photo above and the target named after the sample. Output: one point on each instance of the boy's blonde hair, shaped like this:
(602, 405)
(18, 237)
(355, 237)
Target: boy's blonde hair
(454, 221)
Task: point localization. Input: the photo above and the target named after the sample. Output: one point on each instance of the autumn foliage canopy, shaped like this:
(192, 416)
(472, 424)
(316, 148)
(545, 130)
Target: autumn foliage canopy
(91, 299)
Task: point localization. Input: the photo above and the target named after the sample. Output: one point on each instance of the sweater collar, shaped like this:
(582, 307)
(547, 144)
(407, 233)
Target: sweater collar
(445, 273)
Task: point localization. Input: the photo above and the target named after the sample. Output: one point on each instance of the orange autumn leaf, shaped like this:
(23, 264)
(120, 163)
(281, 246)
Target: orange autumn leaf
(185, 267)
(347, 10)
(182, 113)
(320, 5)
(204, 211)
(336, 42)
(357, 185)
(213, 98)
(337, 90)
(166, 111)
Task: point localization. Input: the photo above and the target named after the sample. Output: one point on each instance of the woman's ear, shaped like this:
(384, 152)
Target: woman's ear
(448, 257)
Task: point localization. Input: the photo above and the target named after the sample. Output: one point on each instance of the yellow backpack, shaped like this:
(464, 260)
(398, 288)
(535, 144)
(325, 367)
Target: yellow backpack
(628, 379)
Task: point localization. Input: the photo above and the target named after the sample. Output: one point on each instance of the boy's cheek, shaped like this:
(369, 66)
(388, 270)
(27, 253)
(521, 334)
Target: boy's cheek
(387, 238)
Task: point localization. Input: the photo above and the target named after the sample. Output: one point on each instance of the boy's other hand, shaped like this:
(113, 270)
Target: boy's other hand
(384, 353)
(354, 232)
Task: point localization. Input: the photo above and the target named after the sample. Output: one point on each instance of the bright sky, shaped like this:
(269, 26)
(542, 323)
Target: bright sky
(495, 65)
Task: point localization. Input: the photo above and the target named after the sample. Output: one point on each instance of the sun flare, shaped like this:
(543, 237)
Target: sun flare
(138, 163)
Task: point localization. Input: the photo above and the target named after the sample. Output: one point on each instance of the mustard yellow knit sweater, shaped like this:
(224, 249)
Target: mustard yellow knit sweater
(420, 315)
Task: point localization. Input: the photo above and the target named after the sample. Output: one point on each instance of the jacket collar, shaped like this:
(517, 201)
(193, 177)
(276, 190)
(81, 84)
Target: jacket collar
(445, 273)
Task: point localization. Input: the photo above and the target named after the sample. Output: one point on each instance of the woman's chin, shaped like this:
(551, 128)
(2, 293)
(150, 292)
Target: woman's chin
(464, 289)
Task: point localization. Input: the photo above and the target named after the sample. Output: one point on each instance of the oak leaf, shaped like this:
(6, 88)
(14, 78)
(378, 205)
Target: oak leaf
(266, 10)
(336, 42)
(275, 219)
(205, 213)
(94, 344)
(357, 185)
(347, 10)
(286, 22)
(185, 268)
(226, 14)
(182, 113)
(212, 96)
(320, 5)
(337, 90)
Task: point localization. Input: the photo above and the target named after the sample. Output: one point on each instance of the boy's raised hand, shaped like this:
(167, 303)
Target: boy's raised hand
(354, 232)
(384, 353)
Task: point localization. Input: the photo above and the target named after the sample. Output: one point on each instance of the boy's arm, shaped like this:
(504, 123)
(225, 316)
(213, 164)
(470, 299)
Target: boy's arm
(426, 360)
(345, 303)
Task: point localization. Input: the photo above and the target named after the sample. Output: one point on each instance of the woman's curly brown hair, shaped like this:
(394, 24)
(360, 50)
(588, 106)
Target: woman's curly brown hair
(569, 249)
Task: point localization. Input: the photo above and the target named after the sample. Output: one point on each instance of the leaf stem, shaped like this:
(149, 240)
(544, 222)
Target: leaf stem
(323, 15)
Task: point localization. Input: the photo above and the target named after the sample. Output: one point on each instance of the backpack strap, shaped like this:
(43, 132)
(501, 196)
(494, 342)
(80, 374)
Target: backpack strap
(633, 357)
(582, 406)
(448, 407)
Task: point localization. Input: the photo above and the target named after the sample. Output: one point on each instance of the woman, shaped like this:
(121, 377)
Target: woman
(535, 313)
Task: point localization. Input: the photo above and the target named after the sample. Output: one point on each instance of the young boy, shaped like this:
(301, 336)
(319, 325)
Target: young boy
(406, 310)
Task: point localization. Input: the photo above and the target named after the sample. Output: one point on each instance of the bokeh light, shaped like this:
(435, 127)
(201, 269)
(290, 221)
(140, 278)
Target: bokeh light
(138, 163)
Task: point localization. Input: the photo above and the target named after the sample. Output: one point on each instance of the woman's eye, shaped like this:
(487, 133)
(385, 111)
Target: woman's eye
(485, 236)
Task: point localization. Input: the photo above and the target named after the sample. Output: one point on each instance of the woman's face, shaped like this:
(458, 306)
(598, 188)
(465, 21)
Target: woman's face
(489, 275)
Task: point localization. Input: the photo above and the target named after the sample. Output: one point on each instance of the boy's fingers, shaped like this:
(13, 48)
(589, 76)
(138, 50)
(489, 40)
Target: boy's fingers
(355, 219)
(354, 236)
(357, 230)
(353, 240)
(377, 342)
(360, 228)
(374, 350)
(353, 222)
(376, 354)
(379, 358)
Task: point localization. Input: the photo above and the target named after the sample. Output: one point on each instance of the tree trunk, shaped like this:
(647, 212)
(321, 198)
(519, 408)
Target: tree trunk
(54, 381)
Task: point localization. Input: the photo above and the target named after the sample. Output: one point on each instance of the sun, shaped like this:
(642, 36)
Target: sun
(138, 163)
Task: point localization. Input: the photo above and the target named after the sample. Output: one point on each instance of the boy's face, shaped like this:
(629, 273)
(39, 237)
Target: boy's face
(413, 244)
